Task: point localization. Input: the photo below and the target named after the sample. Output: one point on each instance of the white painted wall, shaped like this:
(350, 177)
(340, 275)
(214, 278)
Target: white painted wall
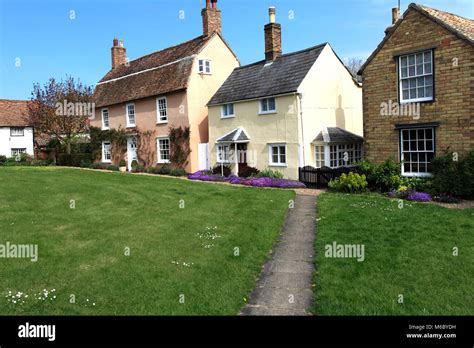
(7, 142)
(330, 98)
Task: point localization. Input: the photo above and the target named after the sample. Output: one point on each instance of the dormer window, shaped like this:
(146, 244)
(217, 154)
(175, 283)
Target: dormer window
(205, 66)
(416, 77)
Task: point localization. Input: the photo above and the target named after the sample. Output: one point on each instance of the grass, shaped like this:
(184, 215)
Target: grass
(82, 251)
(408, 252)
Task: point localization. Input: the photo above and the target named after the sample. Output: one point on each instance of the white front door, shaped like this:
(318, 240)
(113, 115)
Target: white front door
(203, 154)
(131, 151)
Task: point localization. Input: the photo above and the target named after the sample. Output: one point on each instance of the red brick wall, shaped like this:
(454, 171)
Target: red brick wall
(453, 106)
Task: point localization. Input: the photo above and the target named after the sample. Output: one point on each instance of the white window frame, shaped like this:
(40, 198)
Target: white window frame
(225, 110)
(402, 151)
(319, 156)
(104, 127)
(226, 157)
(105, 160)
(205, 66)
(17, 131)
(268, 111)
(270, 155)
(161, 160)
(337, 151)
(129, 124)
(416, 77)
(17, 151)
(159, 117)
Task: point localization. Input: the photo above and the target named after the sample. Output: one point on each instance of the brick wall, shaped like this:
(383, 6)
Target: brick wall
(453, 106)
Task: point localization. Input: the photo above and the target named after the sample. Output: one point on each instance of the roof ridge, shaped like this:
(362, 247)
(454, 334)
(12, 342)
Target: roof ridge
(14, 100)
(442, 11)
(283, 55)
(167, 48)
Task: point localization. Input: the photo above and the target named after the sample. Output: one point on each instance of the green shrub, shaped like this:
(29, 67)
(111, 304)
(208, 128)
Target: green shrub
(99, 165)
(217, 170)
(351, 183)
(113, 168)
(122, 163)
(164, 170)
(85, 163)
(134, 163)
(3, 159)
(41, 163)
(178, 172)
(138, 169)
(247, 171)
(74, 159)
(269, 173)
(454, 177)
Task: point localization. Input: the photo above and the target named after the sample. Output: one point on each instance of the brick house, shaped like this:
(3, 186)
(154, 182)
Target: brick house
(418, 89)
(164, 89)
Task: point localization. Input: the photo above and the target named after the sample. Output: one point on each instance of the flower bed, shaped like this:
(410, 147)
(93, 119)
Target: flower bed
(256, 182)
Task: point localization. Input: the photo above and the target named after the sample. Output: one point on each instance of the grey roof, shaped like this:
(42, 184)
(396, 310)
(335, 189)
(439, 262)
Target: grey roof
(236, 136)
(260, 79)
(338, 135)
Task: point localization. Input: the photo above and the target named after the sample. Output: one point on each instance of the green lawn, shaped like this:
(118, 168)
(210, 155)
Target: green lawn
(408, 252)
(82, 250)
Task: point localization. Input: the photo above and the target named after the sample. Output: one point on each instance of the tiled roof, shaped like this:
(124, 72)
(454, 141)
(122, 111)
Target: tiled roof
(261, 79)
(235, 136)
(459, 26)
(337, 135)
(157, 73)
(13, 113)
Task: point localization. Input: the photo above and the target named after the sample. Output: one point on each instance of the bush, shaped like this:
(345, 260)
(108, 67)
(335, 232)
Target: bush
(384, 177)
(247, 171)
(85, 163)
(74, 159)
(269, 173)
(446, 198)
(178, 172)
(352, 183)
(454, 177)
(99, 165)
(3, 159)
(164, 170)
(122, 163)
(138, 169)
(41, 163)
(112, 168)
(134, 163)
(217, 170)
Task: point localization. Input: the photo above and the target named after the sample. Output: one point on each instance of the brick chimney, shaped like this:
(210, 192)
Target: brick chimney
(395, 15)
(272, 37)
(211, 18)
(119, 54)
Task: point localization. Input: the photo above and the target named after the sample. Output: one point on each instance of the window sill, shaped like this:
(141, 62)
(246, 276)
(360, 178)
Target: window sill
(106, 161)
(278, 165)
(205, 73)
(132, 126)
(268, 112)
(224, 117)
(418, 175)
(162, 122)
(105, 128)
(163, 162)
(415, 101)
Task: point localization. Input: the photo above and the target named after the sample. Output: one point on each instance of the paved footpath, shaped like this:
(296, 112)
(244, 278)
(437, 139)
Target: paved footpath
(284, 286)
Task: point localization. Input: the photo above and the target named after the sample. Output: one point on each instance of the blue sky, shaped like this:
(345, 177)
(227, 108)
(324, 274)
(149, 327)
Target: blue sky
(47, 42)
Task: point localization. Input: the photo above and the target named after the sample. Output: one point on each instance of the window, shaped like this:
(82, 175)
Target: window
(17, 131)
(342, 155)
(163, 150)
(278, 155)
(416, 77)
(319, 156)
(417, 151)
(106, 152)
(162, 110)
(130, 115)
(227, 111)
(223, 153)
(204, 66)
(267, 105)
(18, 152)
(105, 119)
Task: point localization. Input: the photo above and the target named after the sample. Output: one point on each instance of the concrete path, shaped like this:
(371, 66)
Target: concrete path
(284, 286)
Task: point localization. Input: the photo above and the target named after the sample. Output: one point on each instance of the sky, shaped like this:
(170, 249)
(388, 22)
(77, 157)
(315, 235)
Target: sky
(40, 39)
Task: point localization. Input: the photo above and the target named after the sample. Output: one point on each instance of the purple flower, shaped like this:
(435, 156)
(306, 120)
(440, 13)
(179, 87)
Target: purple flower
(419, 197)
(257, 182)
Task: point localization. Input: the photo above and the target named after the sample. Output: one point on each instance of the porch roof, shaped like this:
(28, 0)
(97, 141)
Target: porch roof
(238, 135)
(337, 135)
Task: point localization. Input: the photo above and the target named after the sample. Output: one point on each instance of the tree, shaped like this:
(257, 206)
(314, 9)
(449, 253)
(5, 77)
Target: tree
(61, 110)
(180, 148)
(354, 65)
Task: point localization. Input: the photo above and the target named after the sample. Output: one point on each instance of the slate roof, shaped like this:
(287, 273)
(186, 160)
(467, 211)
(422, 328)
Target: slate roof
(260, 79)
(157, 73)
(235, 136)
(338, 135)
(459, 26)
(13, 113)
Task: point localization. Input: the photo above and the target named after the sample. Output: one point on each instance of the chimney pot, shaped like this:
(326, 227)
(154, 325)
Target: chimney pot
(272, 14)
(211, 19)
(272, 37)
(208, 3)
(214, 3)
(119, 54)
(115, 42)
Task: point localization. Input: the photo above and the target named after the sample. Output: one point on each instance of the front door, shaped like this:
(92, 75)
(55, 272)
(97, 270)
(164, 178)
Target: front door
(242, 155)
(131, 151)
